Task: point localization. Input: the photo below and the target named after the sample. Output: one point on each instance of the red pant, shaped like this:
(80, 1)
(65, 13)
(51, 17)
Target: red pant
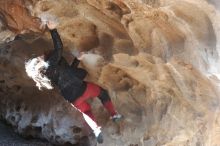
(92, 91)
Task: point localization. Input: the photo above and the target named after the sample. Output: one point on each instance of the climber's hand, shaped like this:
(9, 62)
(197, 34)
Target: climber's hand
(51, 24)
(81, 55)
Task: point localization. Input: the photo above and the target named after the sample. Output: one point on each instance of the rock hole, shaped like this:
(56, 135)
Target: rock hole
(34, 119)
(45, 7)
(76, 129)
(114, 8)
(17, 108)
(135, 63)
(17, 87)
(2, 81)
(38, 129)
(13, 119)
(31, 132)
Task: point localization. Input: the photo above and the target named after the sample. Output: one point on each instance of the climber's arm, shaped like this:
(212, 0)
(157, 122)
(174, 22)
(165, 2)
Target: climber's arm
(56, 55)
(78, 57)
(75, 63)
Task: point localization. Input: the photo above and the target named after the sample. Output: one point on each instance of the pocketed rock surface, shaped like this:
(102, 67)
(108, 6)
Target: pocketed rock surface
(158, 60)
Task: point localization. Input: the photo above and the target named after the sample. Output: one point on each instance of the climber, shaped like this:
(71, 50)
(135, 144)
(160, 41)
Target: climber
(53, 69)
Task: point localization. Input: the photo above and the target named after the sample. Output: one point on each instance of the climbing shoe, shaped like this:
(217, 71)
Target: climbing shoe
(117, 118)
(99, 138)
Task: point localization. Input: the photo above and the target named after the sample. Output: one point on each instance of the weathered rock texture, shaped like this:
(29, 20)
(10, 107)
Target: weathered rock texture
(17, 18)
(158, 61)
(9, 137)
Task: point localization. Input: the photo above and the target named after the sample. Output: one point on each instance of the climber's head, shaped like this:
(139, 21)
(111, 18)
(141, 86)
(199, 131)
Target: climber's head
(36, 69)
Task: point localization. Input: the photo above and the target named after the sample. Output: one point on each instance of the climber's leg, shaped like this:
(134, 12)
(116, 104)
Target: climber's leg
(91, 91)
(107, 103)
(85, 108)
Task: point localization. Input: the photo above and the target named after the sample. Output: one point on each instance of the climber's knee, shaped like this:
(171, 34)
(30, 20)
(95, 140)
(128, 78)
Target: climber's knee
(104, 96)
(83, 107)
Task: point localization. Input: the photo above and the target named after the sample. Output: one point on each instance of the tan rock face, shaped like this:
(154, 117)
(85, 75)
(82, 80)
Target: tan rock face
(17, 18)
(158, 60)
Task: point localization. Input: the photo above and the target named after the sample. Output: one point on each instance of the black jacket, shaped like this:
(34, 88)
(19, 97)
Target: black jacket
(69, 79)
